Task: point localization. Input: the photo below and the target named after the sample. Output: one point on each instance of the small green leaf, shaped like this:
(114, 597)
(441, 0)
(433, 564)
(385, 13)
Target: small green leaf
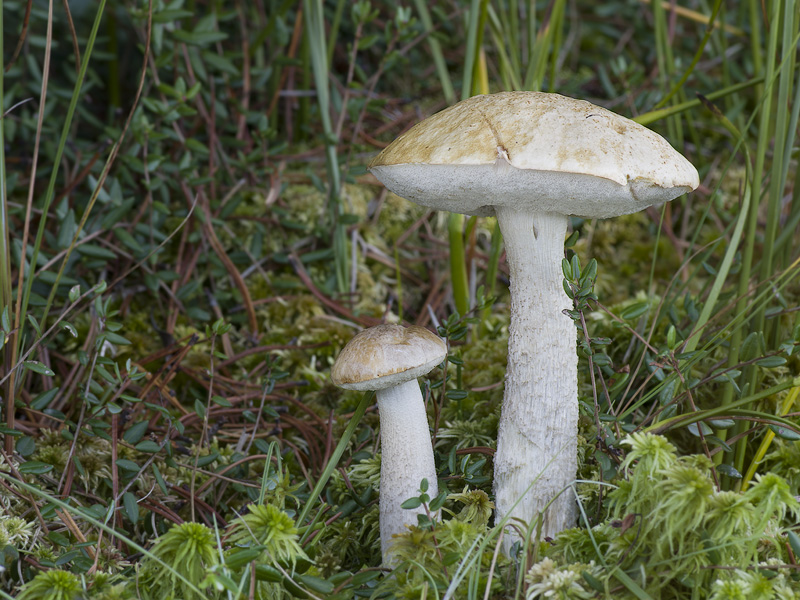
(595, 583)
(220, 401)
(608, 467)
(671, 335)
(148, 446)
(271, 574)
(239, 557)
(59, 539)
(576, 267)
(667, 391)
(363, 577)
(750, 346)
(340, 577)
(135, 432)
(67, 557)
(411, 503)
(103, 372)
(199, 38)
(69, 327)
(794, 542)
(131, 507)
(566, 268)
(200, 409)
(25, 446)
(715, 441)
(590, 273)
(207, 460)
(729, 470)
(128, 240)
(635, 310)
(197, 146)
(316, 584)
(159, 479)
(37, 367)
(116, 339)
(696, 428)
(93, 251)
(770, 362)
(784, 433)
(127, 465)
(34, 467)
(103, 285)
(35, 325)
(44, 399)
(571, 240)
(438, 502)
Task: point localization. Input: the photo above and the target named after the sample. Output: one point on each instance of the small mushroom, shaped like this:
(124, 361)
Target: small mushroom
(531, 159)
(388, 359)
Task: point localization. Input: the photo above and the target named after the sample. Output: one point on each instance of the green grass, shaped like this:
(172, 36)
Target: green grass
(188, 236)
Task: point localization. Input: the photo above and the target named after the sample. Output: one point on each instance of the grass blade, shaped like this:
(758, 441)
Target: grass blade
(56, 163)
(436, 52)
(355, 421)
(315, 32)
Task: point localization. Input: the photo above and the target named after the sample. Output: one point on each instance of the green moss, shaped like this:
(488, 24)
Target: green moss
(52, 585)
(190, 550)
(397, 216)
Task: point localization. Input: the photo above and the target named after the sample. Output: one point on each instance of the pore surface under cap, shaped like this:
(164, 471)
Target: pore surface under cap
(547, 151)
(385, 355)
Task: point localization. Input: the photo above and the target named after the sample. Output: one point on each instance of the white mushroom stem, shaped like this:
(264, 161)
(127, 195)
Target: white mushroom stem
(538, 424)
(406, 458)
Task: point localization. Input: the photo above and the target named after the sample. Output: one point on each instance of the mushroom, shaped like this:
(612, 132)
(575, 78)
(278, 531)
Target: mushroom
(532, 159)
(388, 359)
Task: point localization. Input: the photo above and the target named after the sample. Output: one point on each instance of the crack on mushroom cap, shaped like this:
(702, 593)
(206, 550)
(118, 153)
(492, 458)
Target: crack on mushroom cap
(600, 163)
(386, 355)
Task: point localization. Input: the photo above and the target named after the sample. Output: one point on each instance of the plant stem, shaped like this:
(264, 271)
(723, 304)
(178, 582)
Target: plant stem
(315, 31)
(436, 52)
(5, 261)
(458, 266)
(491, 272)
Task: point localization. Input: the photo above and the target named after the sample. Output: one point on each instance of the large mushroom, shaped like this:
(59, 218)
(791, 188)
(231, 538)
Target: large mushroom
(388, 359)
(532, 159)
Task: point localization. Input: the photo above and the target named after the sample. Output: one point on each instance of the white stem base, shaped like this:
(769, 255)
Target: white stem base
(538, 427)
(406, 459)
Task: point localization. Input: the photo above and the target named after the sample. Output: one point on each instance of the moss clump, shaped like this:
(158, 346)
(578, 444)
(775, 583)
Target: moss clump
(52, 585)
(268, 526)
(190, 550)
(669, 522)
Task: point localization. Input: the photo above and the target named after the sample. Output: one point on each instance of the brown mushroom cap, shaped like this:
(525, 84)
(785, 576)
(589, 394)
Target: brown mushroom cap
(386, 355)
(543, 151)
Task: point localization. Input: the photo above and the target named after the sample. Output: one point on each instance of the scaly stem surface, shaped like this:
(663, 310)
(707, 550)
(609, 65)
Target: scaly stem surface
(538, 430)
(406, 458)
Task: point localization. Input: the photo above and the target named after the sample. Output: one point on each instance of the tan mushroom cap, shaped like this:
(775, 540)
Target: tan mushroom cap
(544, 151)
(386, 355)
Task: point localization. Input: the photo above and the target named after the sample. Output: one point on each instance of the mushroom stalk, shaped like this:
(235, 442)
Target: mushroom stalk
(406, 458)
(538, 431)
